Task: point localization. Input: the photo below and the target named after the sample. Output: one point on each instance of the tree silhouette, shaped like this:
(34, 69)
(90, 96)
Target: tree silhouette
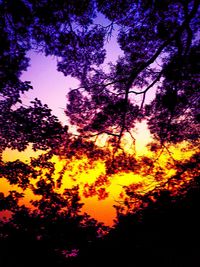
(159, 42)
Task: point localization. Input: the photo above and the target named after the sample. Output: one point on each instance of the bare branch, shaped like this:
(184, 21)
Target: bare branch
(143, 100)
(151, 85)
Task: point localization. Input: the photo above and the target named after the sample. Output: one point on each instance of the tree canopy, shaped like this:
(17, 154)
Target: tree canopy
(160, 45)
(160, 54)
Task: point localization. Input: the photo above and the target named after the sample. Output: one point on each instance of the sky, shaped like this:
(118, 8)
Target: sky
(51, 87)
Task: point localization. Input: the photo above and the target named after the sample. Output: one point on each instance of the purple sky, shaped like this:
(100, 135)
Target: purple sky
(51, 86)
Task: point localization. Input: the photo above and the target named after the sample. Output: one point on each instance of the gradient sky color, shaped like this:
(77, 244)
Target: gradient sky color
(51, 87)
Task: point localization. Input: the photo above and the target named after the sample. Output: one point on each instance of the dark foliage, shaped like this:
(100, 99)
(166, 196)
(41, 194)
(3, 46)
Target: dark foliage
(165, 233)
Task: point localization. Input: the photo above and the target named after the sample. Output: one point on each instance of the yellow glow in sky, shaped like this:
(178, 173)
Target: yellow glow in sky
(99, 196)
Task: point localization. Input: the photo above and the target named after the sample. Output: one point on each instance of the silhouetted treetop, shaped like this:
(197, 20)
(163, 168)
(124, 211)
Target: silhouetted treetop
(160, 51)
(160, 44)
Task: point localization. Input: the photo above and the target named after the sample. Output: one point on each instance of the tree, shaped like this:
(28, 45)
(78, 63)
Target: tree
(160, 44)
(160, 47)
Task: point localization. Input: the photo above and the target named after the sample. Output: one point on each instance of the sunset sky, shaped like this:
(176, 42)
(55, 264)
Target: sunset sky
(99, 133)
(51, 87)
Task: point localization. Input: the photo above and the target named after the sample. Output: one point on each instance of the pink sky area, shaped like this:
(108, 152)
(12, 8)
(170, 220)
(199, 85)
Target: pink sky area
(51, 86)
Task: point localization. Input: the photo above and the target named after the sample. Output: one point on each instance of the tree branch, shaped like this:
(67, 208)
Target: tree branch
(136, 72)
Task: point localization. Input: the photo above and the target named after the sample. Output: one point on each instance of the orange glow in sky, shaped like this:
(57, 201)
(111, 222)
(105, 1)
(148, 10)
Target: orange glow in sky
(98, 191)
